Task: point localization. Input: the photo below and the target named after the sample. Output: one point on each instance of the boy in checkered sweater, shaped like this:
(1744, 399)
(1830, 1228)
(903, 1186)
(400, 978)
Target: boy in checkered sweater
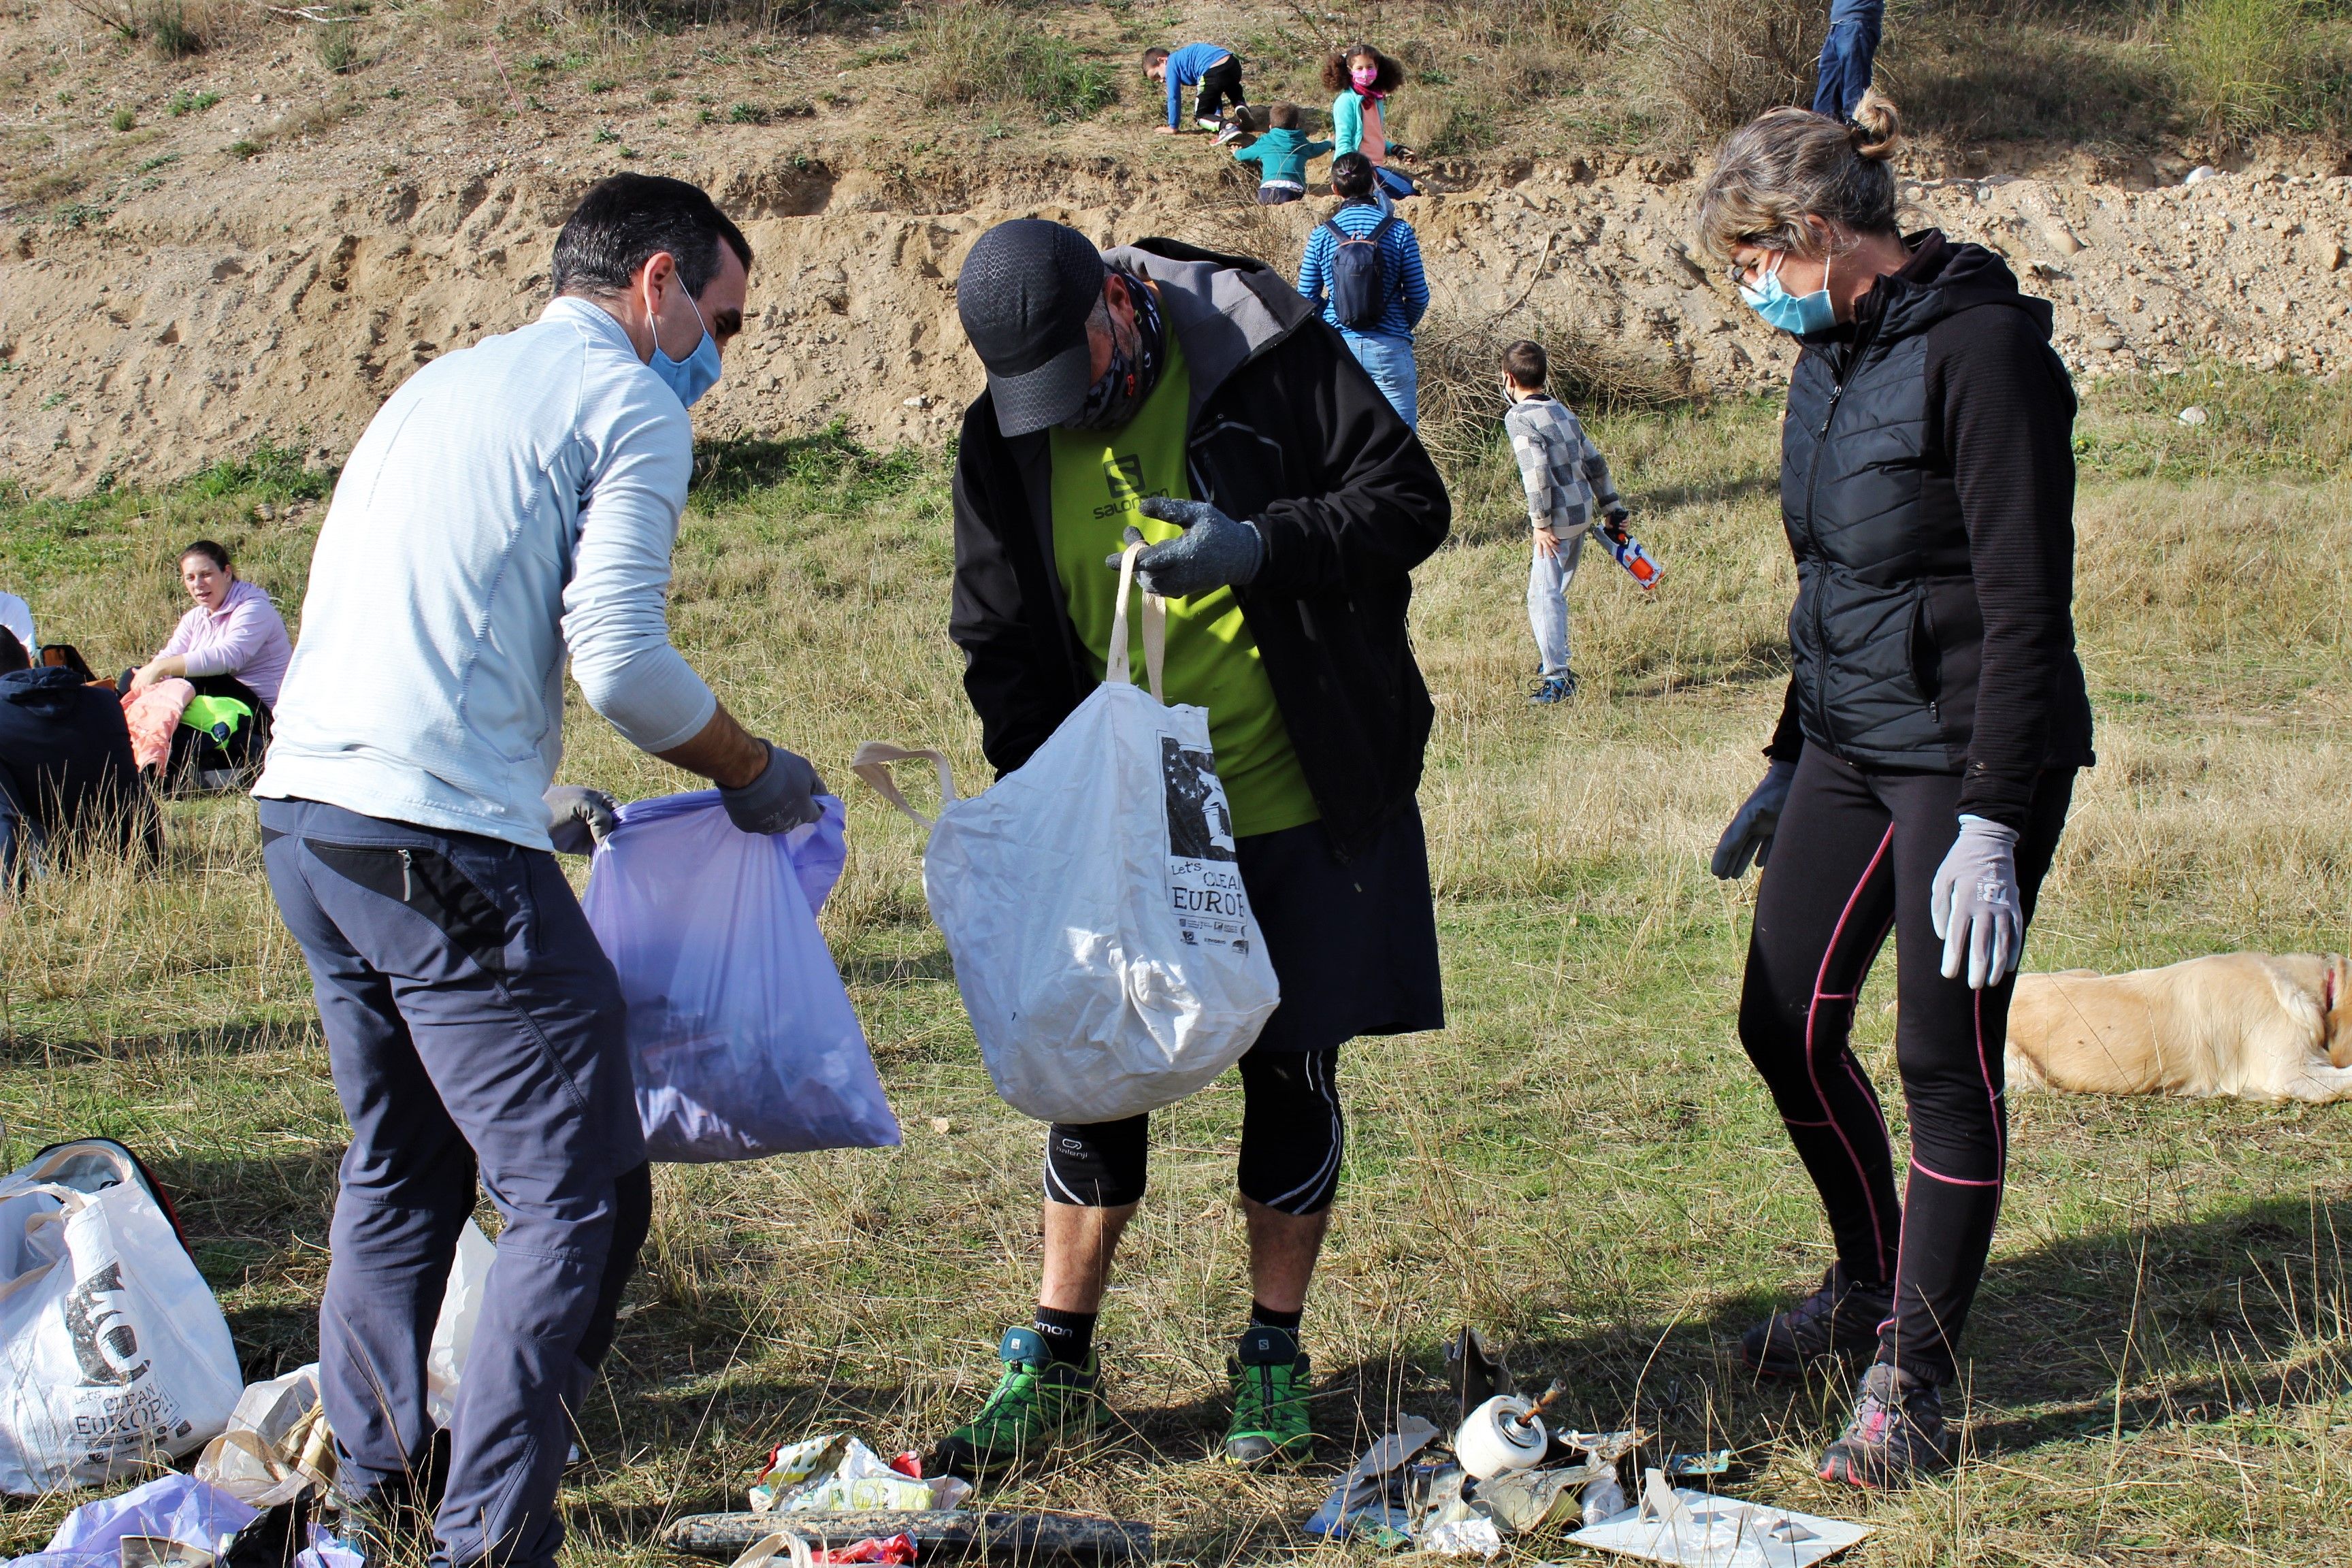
(1568, 482)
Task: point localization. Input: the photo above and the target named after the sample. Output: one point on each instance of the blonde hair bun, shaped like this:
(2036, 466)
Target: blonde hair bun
(1877, 128)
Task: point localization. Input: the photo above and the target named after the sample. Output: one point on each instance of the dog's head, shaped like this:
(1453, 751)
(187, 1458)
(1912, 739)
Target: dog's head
(2336, 1006)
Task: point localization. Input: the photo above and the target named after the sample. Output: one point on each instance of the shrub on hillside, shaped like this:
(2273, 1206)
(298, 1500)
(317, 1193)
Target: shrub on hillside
(986, 52)
(2239, 63)
(1723, 62)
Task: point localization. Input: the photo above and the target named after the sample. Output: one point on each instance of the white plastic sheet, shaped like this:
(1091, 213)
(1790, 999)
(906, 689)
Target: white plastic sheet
(453, 1331)
(1093, 904)
(172, 1519)
(1696, 1530)
(112, 1351)
(740, 1033)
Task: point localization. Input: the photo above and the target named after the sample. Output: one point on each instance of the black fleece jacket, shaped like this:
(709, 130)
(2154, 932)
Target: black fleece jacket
(2000, 410)
(1286, 431)
(66, 767)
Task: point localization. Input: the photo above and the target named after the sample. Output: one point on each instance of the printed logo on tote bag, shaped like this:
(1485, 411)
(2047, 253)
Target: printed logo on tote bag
(1204, 880)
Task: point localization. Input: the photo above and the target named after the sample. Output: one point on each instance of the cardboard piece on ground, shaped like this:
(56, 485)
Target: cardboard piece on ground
(1695, 1530)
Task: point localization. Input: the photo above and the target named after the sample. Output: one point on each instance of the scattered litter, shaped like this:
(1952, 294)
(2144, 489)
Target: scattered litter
(328, 1550)
(895, 1550)
(2201, 173)
(1368, 1502)
(1022, 1540)
(277, 1447)
(1707, 1470)
(1477, 1373)
(1503, 1434)
(1463, 1538)
(1697, 1530)
(2193, 415)
(1605, 1499)
(941, 1124)
(838, 1474)
(1528, 1500)
(174, 1519)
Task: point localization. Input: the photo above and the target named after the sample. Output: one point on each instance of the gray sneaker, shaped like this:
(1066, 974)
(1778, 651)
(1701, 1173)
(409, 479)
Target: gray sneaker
(1841, 1318)
(1897, 1433)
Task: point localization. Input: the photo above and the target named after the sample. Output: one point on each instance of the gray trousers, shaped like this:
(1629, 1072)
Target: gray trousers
(1547, 582)
(475, 1029)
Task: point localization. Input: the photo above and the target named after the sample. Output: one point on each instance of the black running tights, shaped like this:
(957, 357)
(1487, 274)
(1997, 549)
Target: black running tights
(1853, 860)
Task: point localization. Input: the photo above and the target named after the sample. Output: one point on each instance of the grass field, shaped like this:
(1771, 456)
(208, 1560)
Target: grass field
(1583, 1164)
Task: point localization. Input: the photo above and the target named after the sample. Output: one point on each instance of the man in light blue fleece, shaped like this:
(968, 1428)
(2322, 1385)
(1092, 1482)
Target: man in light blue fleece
(1215, 69)
(513, 502)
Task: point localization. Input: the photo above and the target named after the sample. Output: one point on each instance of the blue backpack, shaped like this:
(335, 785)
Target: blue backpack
(1359, 282)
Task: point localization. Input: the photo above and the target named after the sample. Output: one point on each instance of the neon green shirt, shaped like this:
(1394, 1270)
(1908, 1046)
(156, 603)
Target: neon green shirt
(1212, 661)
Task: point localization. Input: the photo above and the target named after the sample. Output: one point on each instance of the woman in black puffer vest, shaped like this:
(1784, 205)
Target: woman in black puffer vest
(1927, 752)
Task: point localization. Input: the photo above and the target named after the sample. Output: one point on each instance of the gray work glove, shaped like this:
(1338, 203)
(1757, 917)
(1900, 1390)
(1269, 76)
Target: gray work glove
(1749, 836)
(782, 798)
(1975, 903)
(579, 818)
(1215, 552)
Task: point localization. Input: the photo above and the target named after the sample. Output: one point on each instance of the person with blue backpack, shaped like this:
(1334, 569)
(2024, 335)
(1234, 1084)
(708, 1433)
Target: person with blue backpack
(1363, 266)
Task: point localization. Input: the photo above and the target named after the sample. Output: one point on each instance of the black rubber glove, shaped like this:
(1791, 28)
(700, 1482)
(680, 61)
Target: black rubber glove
(1215, 552)
(579, 818)
(782, 798)
(1749, 836)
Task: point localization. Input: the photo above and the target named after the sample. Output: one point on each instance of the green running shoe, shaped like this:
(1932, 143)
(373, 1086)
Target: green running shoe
(1270, 1377)
(1038, 1401)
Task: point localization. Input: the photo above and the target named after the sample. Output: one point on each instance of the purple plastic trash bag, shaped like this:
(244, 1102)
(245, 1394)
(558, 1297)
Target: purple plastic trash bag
(740, 1033)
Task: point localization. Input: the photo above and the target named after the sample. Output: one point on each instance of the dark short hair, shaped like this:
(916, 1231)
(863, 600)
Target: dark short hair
(1351, 176)
(216, 553)
(1154, 56)
(626, 220)
(1527, 364)
(1282, 117)
(13, 657)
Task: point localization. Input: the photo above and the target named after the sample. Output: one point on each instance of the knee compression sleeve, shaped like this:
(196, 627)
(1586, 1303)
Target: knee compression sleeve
(1292, 1133)
(1098, 1165)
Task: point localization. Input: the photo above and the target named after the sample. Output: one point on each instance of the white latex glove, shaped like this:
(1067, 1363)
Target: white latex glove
(1975, 904)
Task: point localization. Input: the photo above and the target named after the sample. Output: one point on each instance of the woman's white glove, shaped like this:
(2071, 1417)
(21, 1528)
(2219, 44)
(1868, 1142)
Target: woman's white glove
(1975, 904)
(1749, 836)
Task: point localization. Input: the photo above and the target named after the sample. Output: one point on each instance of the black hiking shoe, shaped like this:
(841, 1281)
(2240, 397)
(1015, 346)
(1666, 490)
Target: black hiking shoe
(1840, 1318)
(1897, 1433)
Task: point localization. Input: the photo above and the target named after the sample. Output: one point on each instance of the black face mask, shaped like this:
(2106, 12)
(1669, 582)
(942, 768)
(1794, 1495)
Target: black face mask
(1112, 401)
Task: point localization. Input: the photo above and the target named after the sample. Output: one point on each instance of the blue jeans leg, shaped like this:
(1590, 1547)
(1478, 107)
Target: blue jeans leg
(1547, 581)
(473, 1024)
(1389, 360)
(1846, 55)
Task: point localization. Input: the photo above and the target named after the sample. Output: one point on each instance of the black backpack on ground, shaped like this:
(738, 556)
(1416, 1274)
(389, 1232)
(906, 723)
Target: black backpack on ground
(1359, 280)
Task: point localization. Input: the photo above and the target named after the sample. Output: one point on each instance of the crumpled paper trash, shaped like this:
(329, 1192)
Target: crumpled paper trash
(277, 1446)
(1697, 1530)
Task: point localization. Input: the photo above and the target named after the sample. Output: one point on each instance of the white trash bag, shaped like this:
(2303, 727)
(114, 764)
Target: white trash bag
(113, 1353)
(1092, 902)
(453, 1331)
(740, 1033)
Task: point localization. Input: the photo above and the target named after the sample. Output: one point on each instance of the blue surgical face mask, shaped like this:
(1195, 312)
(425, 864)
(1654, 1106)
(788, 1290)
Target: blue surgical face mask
(697, 373)
(1800, 314)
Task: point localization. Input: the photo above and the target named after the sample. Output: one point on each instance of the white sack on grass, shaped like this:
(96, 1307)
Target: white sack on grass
(113, 1353)
(1093, 905)
(453, 1331)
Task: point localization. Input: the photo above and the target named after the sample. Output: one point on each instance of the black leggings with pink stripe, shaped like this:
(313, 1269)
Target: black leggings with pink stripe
(1853, 860)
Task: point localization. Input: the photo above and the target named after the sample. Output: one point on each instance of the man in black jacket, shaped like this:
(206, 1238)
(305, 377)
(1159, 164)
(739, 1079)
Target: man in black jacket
(67, 780)
(1198, 399)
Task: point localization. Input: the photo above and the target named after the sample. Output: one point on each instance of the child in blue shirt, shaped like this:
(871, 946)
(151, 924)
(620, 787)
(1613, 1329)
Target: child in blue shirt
(1281, 156)
(1215, 69)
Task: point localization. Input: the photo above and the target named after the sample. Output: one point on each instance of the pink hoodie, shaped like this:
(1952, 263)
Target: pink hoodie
(244, 638)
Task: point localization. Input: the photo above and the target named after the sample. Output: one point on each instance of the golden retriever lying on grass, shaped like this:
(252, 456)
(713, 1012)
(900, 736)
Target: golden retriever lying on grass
(2255, 1025)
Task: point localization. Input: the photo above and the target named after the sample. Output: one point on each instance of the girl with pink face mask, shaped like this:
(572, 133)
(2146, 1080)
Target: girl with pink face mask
(1363, 77)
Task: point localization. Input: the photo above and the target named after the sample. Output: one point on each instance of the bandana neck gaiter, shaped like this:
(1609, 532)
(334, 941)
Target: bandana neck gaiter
(1112, 401)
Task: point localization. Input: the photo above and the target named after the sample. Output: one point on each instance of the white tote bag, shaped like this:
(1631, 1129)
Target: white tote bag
(1092, 902)
(112, 1351)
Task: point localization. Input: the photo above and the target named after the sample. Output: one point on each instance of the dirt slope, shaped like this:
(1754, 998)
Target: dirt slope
(221, 301)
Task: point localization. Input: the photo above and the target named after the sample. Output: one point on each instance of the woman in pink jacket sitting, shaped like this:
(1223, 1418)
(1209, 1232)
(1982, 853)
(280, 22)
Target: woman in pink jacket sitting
(231, 644)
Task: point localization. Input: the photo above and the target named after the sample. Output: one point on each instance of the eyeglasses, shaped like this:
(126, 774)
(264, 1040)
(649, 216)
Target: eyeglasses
(1744, 275)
